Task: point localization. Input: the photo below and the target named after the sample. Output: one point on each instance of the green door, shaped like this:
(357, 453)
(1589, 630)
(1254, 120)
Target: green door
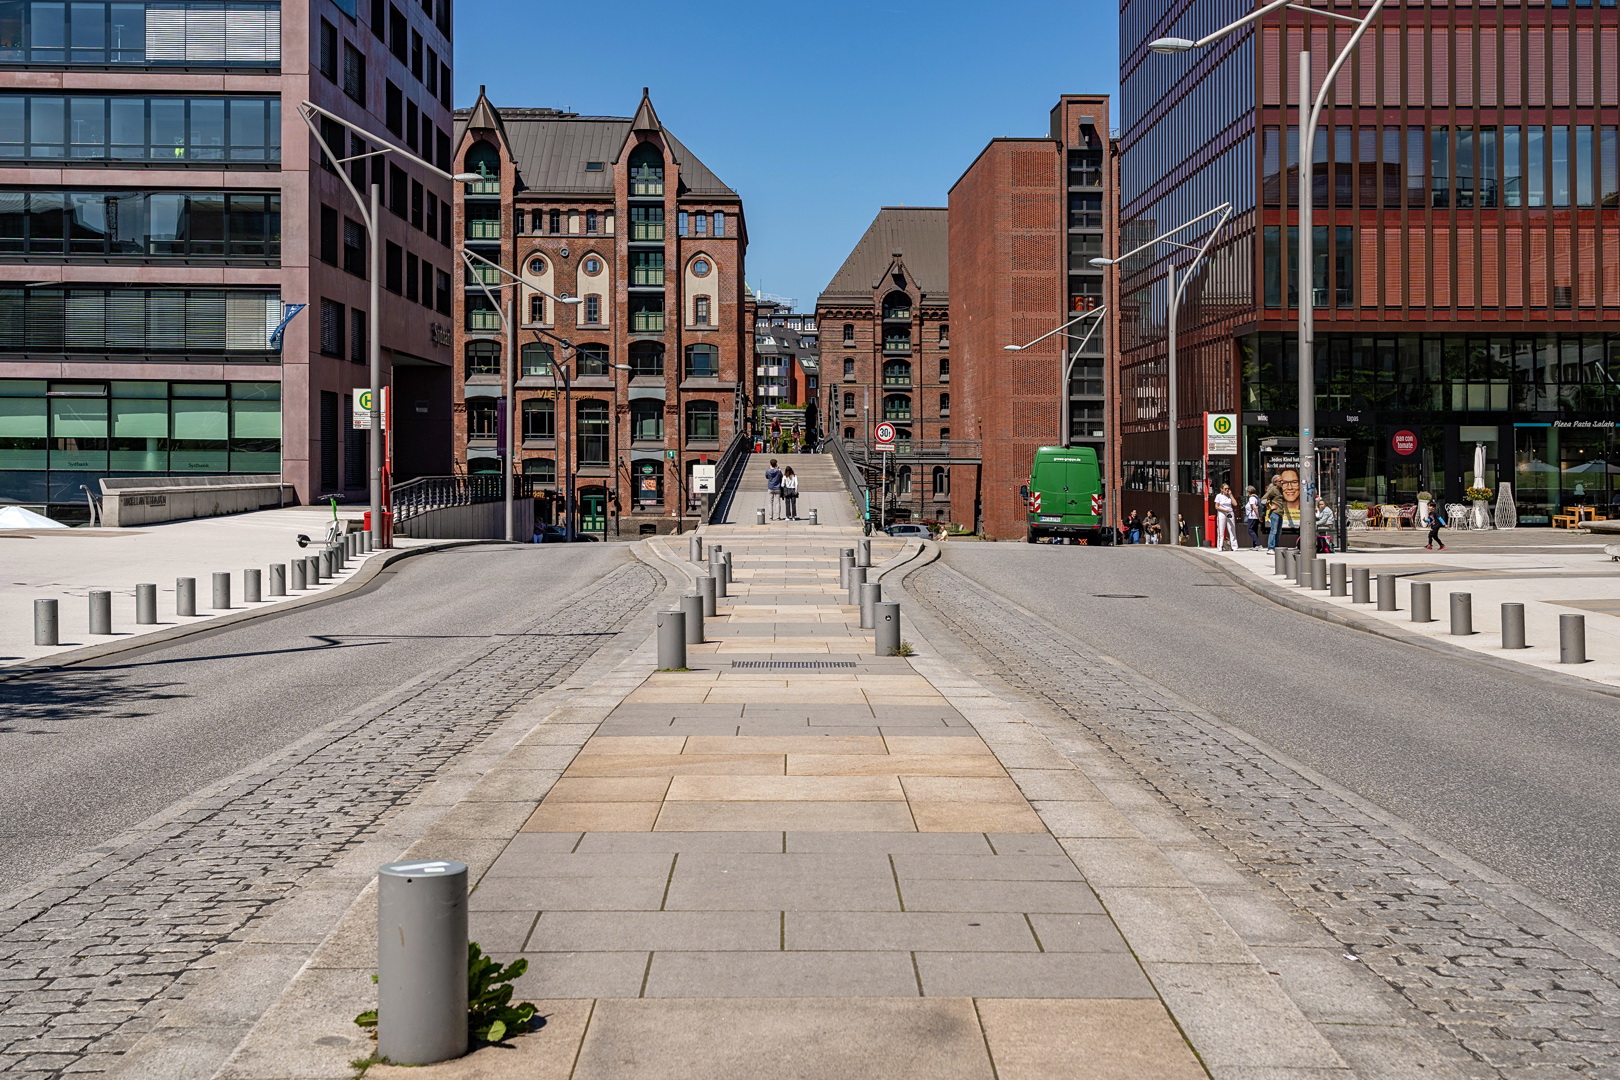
(593, 512)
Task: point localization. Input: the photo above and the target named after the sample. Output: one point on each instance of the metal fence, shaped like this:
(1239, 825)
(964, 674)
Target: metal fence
(726, 471)
(415, 497)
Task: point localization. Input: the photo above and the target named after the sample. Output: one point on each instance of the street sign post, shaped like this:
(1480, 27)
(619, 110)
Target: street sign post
(703, 479)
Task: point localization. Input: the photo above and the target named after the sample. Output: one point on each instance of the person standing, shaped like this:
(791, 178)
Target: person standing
(773, 490)
(1150, 527)
(1251, 515)
(1225, 518)
(1275, 506)
(1133, 528)
(790, 493)
(1182, 531)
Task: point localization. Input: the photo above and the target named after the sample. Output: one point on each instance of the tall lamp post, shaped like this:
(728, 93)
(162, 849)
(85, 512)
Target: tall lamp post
(1069, 358)
(471, 260)
(1178, 286)
(369, 210)
(1310, 112)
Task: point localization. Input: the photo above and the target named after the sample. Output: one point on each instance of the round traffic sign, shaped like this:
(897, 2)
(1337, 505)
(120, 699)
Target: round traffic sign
(885, 432)
(363, 400)
(1222, 425)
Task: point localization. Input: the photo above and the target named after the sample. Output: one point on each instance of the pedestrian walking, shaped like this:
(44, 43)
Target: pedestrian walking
(1133, 528)
(1181, 529)
(790, 493)
(1151, 530)
(773, 490)
(1225, 518)
(1275, 504)
(1435, 523)
(1251, 515)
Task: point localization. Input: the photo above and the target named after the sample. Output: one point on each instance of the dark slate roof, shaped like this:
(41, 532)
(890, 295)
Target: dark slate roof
(918, 233)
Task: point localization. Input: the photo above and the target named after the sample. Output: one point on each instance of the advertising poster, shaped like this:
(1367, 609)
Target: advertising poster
(1283, 465)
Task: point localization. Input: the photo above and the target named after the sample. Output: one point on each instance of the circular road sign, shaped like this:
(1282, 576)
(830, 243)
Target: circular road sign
(362, 401)
(885, 433)
(1222, 425)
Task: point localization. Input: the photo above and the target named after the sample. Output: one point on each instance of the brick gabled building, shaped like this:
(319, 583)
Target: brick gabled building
(617, 211)
(883, 323)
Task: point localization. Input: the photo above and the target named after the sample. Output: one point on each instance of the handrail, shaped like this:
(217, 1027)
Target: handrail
(726, 472)
(854, 478)
(416, 497)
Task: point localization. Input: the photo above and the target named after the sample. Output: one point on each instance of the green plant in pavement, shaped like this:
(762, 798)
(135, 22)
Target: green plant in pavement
(905, 649)
(490, 1012)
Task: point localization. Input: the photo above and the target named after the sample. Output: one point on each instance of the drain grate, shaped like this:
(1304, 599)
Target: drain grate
(777, 665)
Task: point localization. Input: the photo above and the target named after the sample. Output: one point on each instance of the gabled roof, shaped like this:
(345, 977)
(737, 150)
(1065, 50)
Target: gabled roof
(551, 148)
(917, 233)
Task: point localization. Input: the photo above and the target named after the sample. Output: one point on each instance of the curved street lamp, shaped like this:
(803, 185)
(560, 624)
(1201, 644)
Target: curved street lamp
(1069, 358)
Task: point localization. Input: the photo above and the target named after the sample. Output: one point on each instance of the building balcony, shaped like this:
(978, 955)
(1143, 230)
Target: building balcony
(647, 322)
(897, 414)
(480, 319)
(772, 370)
(481, 229)
(896, 345)
(897, 314)
(897, 380)
(484, 187)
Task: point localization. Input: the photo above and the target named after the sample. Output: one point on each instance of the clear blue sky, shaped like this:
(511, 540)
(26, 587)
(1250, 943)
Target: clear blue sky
(816, 113)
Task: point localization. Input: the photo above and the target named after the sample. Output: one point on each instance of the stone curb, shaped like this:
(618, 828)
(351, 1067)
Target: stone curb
(362, 576)
(1302, 602)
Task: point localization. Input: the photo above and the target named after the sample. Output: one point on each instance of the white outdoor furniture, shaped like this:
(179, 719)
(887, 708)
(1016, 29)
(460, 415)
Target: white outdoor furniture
(1459, 515)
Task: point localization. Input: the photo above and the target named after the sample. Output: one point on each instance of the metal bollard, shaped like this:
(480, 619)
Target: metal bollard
(312, 569)
(871, 594)
(1338, 579)
(692, 608)
(863, 553)
(886, 628)
(846, 562)
(717, 570)
(759, 516)
(1319, 574)
(815, 516)
(422, 961)
(47, 628)
(671, 640)
(1572, 639)
(1279, 563)
(725, 568)
(145, 605)
(1420, 602)
(1386, 592)
(365, 543)
(857, 578)
(222, 590)
(299, 568)
(705, 588)
(694, 548)
(1360, 591)
(1462, 614)
(100, 612)
(1513, 626)
(278, 579)
(185, 596)
(251, 585)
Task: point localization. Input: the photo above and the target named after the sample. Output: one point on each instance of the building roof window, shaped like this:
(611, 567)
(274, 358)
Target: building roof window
(594, 166)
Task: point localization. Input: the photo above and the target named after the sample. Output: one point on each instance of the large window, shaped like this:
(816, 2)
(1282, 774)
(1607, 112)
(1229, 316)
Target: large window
(537, 358)
(646, 314)
(897, 373)
(141, 224)
(647, 174)
(591, 359)
(702, 421)
(540, 419)
(896, 407)
(483, 358)
(646, 268)
(647, 420)
(646, 360)
(166, 130)
(593, 429)
(137, 322)
(646, 223)
(702, 362)
(188, 33)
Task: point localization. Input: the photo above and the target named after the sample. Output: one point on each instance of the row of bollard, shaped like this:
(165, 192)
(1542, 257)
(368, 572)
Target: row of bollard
(1322, 576)
(306, 573)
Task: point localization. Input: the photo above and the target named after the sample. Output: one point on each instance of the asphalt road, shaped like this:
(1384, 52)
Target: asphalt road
(1517, 772)
(89, 751)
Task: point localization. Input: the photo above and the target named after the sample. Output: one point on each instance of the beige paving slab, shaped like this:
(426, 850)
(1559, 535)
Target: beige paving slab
(876, 698)
(634, 744)
(893, 765)
(785, 744)
(692, 694)
(990, 817)
(785, 789)
(935, 744)
(545, 1054)
(608, 789)
(977, 789)
(593, 817)
(786, 816)
(1047, 1039)
(677, 765)
(831, 695)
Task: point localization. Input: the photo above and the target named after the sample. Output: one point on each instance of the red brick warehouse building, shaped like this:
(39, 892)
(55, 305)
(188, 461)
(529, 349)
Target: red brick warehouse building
(1025, 219)
(616, 211)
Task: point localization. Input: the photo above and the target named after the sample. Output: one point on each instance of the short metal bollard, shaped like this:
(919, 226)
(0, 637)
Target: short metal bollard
(886, 628)
(694, 548)
(871, 594)
(47, 627)
(1279, 562)
(278, 579)
(692, 608)
(298, 570)
(1462, 614)
(185, 596)
(312, 569)
(1297, 569)
(857, 578)
(1420, 602)
(1386, 592)
(717, 570)
(251, 587)
(759, 516)
(1572, 639)
(1360, 585)
(846, 562)
(222, 590)
(422, 961)
(725, 568)
(145, 605)
(671, 640)
(705, 587)
(1513, 626)
(863, 552)
(100, 612)
(815, 516)
(1319, 574)
(1338, 579)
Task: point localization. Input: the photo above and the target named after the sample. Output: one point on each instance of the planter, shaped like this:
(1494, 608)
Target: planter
(1422, 513)
(1356, 519)
(1482, 514)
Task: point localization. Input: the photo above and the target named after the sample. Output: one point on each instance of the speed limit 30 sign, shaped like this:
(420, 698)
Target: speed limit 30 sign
(884, 434)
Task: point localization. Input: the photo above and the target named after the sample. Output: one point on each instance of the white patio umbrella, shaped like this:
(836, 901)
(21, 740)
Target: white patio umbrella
(20, 517)
(1479, 464)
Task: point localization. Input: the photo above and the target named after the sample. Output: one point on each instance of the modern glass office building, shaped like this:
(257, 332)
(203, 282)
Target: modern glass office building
(1466, 179)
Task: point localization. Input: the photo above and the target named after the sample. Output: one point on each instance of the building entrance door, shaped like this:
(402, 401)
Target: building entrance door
(593, 511)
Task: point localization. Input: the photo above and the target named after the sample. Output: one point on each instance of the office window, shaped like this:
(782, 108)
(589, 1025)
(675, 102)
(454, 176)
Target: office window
(646, 420)
(329, 235)
(592, 424)
(646, 360)
(540, 419)
(155, 33)
(126, 320)
(413, 124)
(398, 40)
(702, 362)
(555, 222)
(147, 224)
(431, 223)
(536, 360)
(590, 221)
(441, 291)
(431, 73)
(329, 51)
(540, 470)
(393, 107)
(354, 248)
(416, 203)
(412, 272)
(332, 328)
(393, 267)
(680, 223)
(701, 223)
(481, 358)
(483, 420)
(357, 336)
(398, 191)
(354, 73)
(416, 55)
(427, 283)
(591, 358)
(703, 421)
(849, 367)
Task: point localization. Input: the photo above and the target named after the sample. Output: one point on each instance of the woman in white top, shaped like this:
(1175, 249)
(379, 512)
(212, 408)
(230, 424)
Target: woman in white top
(790, 493)
(1225, 518)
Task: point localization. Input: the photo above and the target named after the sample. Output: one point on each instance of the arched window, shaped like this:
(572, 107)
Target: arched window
(896, 407)
(702, 362)
(849, 433)
(941, 481)
(897, 373)
(517, 221)
(646, 420)
(849, 333)
(485, 160)
(703, 420)
(556, 222)
(646, 359)
(944, 405)
(591, 358)
(646, 171)
(483, 358)
(944, 369)
(590, 221)
(592, 417)
(902, 482)
(897, 305)
(536, 359)
(849, 404)
(700, 311)
(542, 470)
(540, 419)
(902, 440)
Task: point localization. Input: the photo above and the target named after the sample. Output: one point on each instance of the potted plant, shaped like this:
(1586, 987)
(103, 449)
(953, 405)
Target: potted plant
(1357, 517)
(1480, 496)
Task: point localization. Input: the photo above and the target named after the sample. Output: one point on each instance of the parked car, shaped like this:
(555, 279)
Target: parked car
(908, 529)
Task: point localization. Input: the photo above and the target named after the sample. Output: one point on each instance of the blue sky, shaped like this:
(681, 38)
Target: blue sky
(816, 113)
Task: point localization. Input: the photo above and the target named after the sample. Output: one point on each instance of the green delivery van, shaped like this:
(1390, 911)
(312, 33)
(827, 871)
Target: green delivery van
(1064, 496)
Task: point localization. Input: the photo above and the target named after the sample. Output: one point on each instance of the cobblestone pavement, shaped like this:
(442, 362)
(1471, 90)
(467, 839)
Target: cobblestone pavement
(90, 963)
(1512, 991)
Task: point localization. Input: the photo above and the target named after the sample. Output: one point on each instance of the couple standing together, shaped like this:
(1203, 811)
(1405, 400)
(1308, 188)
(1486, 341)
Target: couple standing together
(782, 489)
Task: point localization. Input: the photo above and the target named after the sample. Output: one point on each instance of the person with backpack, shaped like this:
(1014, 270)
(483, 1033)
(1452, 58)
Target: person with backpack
(1251, 515)
(773, 490)
(1435, 523)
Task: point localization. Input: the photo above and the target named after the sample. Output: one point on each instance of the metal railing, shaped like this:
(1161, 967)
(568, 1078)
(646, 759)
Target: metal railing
(726, 471)
(416, 497)
(854, 476)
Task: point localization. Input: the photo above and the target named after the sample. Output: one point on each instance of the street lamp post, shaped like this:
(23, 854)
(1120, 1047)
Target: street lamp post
(369, 209)
(1069, 358)
(1178, 286)
(1310, 112)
